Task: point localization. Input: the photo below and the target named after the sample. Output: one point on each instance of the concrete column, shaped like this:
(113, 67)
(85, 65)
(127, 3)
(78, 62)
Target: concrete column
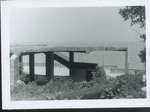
(71, 57)
(31, 67)
(49, 63)
(14, 70)
(126, 61)
(71, 60)
(20, 64)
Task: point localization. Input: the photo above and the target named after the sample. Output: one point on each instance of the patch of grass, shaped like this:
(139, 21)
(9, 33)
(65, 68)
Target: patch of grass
(125, 86)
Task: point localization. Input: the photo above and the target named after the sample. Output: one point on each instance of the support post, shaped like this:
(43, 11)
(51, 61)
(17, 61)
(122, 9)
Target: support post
(20, 65)
(126, 62)
(71, 60)
(71, 57)
(31, 67)
(49, 63)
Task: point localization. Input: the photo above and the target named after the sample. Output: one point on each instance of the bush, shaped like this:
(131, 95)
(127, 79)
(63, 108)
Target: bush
(133, 82)
(25, 78)
(112, 89)
(125, 86)
(100, 75)
(100, 72)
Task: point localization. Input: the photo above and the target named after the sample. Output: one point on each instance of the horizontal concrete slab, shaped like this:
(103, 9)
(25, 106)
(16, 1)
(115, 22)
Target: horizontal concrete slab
(39, 49)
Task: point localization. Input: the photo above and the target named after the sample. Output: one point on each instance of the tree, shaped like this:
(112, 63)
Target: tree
(136, 14)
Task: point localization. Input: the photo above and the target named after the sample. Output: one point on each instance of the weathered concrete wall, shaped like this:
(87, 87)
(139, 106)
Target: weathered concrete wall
(14, 70)
(78, 74)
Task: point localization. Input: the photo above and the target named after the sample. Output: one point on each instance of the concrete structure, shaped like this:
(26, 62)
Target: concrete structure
(15, 69)
(78, 71)
(82, 71)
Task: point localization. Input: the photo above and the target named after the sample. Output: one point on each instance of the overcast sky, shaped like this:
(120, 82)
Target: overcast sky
(42, 25)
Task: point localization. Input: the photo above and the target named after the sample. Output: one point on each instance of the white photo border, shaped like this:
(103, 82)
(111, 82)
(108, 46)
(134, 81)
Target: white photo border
(67, 104)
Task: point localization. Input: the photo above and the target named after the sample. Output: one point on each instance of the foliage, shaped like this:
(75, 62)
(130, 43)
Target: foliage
(25, 78)
(137, 16)
(125, 86)
(142, 55)
(100, 72)
(134, 13)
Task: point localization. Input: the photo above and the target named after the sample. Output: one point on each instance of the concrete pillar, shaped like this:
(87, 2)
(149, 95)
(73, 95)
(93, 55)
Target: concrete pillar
(126, 62)
(20, 64)
(71, 57)
(49, 63)
(14, 70)
(71, 60)
(31, 67)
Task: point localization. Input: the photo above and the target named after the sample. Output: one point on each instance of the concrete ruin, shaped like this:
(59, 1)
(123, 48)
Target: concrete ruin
(78, 71)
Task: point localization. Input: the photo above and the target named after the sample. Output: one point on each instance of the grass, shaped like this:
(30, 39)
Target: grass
(126, 86)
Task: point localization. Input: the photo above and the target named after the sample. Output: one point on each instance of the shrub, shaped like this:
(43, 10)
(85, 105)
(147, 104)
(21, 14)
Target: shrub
(100, 72)
(100, 75)
(112, 89)
(133, 82)
(25, 78)
(125, 86)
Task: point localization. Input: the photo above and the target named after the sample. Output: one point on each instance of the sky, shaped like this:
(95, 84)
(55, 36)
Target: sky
(71, 25)
(78, 26)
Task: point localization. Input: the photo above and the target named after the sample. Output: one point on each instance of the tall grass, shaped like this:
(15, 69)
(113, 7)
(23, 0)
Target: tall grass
(125, 86)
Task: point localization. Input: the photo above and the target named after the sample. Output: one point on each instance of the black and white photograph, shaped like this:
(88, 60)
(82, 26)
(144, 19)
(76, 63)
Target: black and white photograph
(78, 53)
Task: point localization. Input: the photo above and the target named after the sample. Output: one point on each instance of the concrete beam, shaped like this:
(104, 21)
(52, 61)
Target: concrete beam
(40, 49)
(62, 60)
